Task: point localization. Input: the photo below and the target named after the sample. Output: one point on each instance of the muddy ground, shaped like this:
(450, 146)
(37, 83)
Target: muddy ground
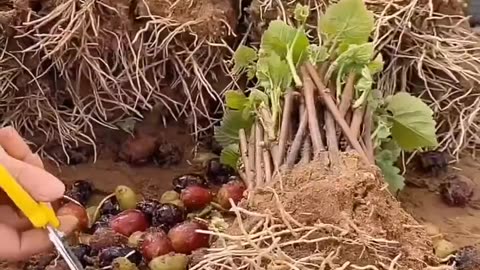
(460, 225)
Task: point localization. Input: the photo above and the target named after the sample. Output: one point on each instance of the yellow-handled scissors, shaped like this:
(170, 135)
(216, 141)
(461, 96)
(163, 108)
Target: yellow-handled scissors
(41, 215)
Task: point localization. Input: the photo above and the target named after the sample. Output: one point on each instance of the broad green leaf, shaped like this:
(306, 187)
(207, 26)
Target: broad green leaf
(376, 65)
(301, 13)
(385, 160)
(235, 99)
(317, 54)
(230, 155)
(232, 122)
(273, 72)
(413, 125)
(280, 36)
(347, 21)
(244, 57)
(256, 96)
(392, 176)
(356, 56)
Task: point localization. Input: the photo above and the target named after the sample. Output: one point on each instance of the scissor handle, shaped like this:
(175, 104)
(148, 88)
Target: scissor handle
(40, 214)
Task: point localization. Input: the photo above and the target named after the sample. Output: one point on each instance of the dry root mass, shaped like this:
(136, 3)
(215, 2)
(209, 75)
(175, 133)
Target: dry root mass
(322, 217)
(68, 66)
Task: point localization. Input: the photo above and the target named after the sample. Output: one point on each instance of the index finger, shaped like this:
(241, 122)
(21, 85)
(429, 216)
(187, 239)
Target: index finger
(16, 146)
(13, 143)
(40, 184)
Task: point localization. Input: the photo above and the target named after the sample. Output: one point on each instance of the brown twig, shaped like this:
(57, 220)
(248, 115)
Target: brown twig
(357, 120)
(284, 128)
(347, 94)
(267, 163)
(251, 152)
(306, 150)
(297, 141)
(332, 143)
(334, 110)
(313, 126)
(367, 134)
(258, 154)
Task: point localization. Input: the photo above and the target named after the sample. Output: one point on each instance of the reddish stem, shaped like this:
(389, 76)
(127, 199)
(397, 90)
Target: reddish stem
(334, 110)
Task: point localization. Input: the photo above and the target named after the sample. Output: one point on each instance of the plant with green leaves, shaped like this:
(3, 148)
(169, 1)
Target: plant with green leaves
(292, 73)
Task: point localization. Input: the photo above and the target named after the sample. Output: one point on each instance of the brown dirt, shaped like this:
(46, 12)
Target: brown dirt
(351, 198)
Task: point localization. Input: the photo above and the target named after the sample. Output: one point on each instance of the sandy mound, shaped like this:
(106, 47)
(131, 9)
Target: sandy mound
(319, 216)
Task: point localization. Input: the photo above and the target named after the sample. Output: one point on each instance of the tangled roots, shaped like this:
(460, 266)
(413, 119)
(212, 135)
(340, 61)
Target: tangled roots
(68, 66)
(321, 217)
(430, 51)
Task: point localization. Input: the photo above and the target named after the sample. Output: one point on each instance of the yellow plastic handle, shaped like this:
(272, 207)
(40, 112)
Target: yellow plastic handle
(40, 214)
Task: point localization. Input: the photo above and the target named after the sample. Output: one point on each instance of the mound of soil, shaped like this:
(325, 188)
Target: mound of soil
(319, 215)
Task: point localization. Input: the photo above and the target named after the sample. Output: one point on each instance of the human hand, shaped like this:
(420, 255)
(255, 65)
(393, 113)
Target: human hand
(20, 240)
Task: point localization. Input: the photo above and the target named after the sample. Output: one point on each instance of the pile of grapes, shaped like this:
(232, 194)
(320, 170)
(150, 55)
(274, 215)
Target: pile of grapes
(126, 232)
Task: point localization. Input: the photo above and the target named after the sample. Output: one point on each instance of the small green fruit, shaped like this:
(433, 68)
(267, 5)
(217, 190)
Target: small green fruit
(170, 261)
(126, 197)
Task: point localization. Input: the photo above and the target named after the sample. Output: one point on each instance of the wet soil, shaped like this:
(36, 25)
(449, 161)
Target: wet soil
(459, 225)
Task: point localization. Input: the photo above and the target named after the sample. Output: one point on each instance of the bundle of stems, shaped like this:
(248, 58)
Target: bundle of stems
(313, 125)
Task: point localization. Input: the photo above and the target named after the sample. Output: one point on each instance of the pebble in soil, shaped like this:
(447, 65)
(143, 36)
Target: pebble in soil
(167, 155)
(433, 162)
(467, 258)
(457, 190)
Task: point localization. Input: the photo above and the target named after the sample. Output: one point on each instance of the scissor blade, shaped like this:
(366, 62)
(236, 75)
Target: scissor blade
(64, 250)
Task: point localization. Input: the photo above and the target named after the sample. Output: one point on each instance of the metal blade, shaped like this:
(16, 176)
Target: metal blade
(63, 249)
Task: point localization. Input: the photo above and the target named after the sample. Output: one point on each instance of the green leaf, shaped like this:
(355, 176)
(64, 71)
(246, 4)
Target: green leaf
(230, 155)
(385, 160)
(356, 56)
(232, 122)
(244, 58)
(317, 54)
(363, 87)
(376, 65)
(395, 180)
(256, 96)
(235, 99)
(280, 36)
(273, 72)
(347, 21)
(413, 125)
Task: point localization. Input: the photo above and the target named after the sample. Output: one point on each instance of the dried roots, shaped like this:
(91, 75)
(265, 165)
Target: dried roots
(68, 66)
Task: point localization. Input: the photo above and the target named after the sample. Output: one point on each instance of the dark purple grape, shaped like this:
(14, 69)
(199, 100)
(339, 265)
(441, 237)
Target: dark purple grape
(81, 191)
(218, 173)
(82, 252)
(107, 255)
(183, 181)
(167, 215)
(110, 207)
(148, 207)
